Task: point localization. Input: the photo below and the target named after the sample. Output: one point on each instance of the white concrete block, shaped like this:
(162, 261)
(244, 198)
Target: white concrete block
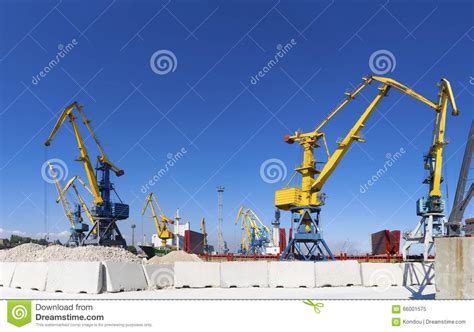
(454, 265)
(31, 275)
(291, 274)
(382, 274)
(75, 277)
(124, 277)
(159, 275)
(418, 273)
(337, 273)
(196, 274)
(244, 274)
(6, 273)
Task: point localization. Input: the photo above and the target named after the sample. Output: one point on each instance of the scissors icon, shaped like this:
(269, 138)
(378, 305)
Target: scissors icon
(315, 306)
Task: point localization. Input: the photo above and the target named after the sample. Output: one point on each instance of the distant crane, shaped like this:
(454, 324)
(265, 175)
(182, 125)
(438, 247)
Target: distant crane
(221, 246)
(162, 223)
(133, 234)
(205, 245)
(77, 228)
(256, 234)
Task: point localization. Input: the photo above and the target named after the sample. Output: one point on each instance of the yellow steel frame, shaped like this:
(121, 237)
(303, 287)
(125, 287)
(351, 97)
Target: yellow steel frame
(162, 223)
(62, 198)
(203, 230)
(250, 221)
(70, 184)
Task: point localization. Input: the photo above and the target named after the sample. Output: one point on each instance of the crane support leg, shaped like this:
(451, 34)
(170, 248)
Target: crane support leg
(105, 233)
(307, 243)
(429, 227)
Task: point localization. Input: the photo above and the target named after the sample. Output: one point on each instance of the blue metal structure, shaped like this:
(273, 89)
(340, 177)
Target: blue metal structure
(105, 230)
(307, 242)
(78, 229)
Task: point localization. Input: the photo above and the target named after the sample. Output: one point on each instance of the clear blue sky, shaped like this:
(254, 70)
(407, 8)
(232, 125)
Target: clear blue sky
(228, 125)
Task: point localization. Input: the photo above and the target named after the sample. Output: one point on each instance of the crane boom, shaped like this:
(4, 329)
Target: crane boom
(70, 184)
(62, 198)
(343, 146)
(461, 199)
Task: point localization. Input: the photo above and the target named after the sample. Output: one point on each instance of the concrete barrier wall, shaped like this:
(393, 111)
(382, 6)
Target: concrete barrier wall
(75, 277)
(382, 274)
(159, 275)
(30, 276)
(6, 273)
(95, 277)
(196, 274)
(337, 273)
(244, 274)
(454, 265)
(291, 274)
(124, 277)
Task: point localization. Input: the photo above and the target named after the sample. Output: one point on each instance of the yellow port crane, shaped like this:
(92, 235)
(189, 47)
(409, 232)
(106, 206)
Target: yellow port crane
(70, 184)
(105, 212)
(255, 233)
(304, 202)
(162, 222)
(78, 228)
(205, 245)
(62, 198)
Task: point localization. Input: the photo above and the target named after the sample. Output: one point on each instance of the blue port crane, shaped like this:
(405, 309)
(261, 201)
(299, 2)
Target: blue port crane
(104, 211)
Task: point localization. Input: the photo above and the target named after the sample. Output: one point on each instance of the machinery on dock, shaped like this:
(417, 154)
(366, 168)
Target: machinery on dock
(162, 222)
(205, 245)
(82, 204)
(304, 203)
(78, 228)
(256, 235)
(463, 196)
(104, 211)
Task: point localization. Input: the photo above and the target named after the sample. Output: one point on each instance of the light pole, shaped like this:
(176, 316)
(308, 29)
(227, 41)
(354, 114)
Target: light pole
(133, 234)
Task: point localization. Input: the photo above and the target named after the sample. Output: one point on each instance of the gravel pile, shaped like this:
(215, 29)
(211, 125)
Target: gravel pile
(36, 253)
(33, 251)
(174, 256)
